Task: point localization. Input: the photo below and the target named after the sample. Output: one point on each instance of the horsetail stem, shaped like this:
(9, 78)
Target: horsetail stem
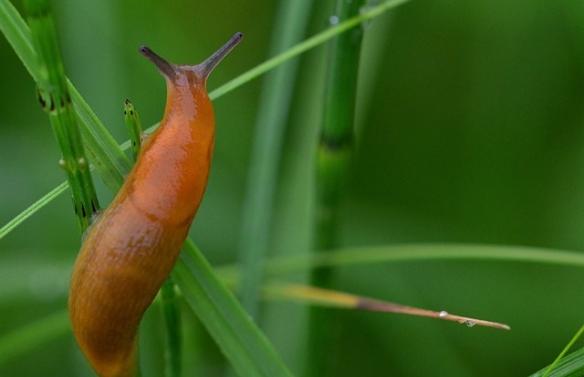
(333, 159)
(55, 99)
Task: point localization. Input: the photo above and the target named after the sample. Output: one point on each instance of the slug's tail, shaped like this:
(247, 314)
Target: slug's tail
(107, 355)
(126, 367)
(103, 329)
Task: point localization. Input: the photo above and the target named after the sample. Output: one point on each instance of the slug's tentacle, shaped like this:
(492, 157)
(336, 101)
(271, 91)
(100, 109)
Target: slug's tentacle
(130, 250)
(203, 70)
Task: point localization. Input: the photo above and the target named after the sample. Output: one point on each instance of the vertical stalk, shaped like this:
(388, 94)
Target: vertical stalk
(134, 127)
(168, 298)
(54, 97)
(172, 321)
(274, 106)
(333, 159)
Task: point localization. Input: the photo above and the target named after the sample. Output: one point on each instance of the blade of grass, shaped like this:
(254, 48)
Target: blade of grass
(570, 366)
(17, 34)
(250, 352)
(413, 253)
(55, 99)
(276, 96)
(33, 208)
(553, 366)
(336, 299)
(306, 45)
(172, 323)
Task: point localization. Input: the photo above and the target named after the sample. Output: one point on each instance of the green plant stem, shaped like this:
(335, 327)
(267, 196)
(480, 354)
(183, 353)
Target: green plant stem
(134, 127)
(54, 97)
(33, 208)
(272, 117)
(555, 363)
(97, 140)
(93, 131)
(333, 159)
(171, 313)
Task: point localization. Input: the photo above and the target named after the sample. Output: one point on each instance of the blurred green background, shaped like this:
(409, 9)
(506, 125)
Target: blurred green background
(470, 130)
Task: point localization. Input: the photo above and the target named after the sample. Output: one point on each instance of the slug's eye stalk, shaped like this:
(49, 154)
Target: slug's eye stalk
(205, 68)
(167, 69)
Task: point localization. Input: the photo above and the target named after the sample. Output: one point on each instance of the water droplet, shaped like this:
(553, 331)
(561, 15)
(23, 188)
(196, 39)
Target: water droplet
(443, 314)
(333, 20)
(62, 163)
(82, 162)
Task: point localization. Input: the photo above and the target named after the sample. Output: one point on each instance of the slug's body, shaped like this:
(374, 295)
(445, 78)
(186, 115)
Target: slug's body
(129, 252)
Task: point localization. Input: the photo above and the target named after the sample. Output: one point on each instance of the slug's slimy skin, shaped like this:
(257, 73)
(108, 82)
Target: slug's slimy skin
(130, 250)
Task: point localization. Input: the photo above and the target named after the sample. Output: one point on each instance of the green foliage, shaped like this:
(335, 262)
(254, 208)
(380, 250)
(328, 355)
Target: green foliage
(469, 129)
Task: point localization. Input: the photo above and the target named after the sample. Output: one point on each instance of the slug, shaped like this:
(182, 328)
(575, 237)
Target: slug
(131, 248)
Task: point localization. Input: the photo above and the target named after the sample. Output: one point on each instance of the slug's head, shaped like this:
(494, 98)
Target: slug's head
(193, 74)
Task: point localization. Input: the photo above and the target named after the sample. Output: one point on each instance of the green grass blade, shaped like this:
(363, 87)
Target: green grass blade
(304, 46)
(272, 117)
(555, 365)
(115, 163)
(34, 335)
(172, 322)
(32, 209)
(247, 348)
(413, 253)
(570, 366)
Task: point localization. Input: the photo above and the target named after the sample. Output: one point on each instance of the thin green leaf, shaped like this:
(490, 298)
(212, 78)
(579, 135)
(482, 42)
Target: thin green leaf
(308, 44)
(272, 118)
(33, 208)
(249, 351)
(554, 368)
(569, 366)
(414, 253)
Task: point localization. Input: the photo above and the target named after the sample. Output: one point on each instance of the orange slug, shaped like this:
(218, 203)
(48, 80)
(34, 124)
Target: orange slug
(130, 250)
